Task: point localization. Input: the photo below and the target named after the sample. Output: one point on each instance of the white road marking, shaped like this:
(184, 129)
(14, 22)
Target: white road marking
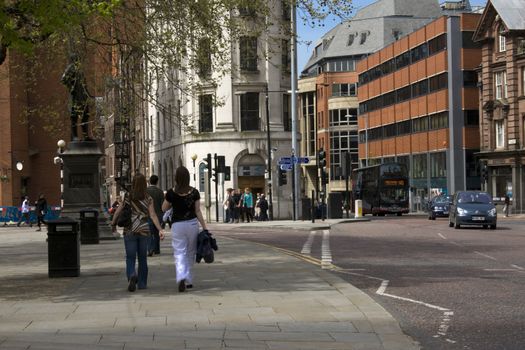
(307, 247)
(485, 255)
(441, 235)
(381, 291)
(517, 267)
(501, 270)
(326, 253)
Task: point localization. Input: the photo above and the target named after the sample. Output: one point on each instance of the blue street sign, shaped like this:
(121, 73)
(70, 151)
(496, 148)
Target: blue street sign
(285, 160)
(303, 160)
(286, 167)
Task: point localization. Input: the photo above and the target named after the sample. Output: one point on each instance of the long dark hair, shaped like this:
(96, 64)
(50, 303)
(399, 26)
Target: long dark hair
(182, 180)
(138, 187)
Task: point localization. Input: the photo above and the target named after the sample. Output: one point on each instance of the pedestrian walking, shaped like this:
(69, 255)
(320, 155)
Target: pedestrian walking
(247, 204)
(158, 197)
(263, 208)
(25, 209)
(236, 205)
(228, 217)
(506, 207)
(186, 216)
(41, 211)
(136, 236)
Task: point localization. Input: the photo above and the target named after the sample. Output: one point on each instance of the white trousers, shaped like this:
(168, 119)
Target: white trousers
(184, 243)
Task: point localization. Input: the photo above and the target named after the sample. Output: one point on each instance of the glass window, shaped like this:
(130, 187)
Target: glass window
(438, 164)
(500, 83)
(250, 111)
(438, 120)
(437, 44)
(206, 113)
(500, 133)
(501, 39)
(248, 53)
(285, 55)
(471, 117)
(420, 124)
(419, 162)
(470, 78)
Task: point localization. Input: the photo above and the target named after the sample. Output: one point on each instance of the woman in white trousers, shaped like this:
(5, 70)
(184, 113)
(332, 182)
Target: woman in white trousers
(184, 200)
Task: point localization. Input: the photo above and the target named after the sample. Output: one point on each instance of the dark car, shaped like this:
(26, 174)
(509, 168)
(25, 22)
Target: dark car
(472, 208)
(438, 207)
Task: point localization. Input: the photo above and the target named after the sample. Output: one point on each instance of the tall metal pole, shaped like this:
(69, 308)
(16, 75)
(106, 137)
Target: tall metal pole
(216, 187)
(295, 149)
(269, 165)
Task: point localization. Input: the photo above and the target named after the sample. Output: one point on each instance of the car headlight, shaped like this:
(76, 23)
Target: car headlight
(462, 212)
(492, 212)
(439, 208)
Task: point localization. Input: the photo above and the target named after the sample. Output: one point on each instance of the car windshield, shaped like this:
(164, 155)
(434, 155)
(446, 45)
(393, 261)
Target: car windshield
(442, 199)
(393, 195)
(474, 197)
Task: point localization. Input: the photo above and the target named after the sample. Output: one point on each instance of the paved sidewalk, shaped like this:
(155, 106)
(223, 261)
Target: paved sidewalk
(252, 297)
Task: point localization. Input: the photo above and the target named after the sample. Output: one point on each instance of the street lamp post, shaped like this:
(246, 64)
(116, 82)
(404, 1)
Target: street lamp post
(269, 163)
(61, 144)
(194, 158)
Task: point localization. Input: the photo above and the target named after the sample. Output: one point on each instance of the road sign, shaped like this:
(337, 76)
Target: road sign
(285, 160)
(303, 160)
(286, 167)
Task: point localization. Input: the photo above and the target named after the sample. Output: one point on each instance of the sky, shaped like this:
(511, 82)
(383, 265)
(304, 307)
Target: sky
(307, 36)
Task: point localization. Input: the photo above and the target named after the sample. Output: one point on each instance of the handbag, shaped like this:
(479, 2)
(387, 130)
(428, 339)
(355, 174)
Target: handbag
(124, 218)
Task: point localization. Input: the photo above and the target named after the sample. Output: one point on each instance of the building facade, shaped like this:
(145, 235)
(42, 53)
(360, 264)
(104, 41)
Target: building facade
(501, 32)
(418, 105)
(329, 93)
(235, 117)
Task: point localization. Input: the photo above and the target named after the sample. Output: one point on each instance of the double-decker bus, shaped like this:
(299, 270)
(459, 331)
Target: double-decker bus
(382, 188)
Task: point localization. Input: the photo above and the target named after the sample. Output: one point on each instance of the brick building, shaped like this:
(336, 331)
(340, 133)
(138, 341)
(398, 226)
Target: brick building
(418, 101)
(501, 31)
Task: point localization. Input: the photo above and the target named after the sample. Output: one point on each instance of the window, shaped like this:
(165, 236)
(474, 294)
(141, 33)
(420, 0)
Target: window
(522, 81)
(248, 53)
(420, 124)
(363, 37)
(350, 41)
(285, 55)
(344, 89)
(419, 52)
(206, 113)
(438, 164)
(345, 116)
(419, 162)
(287, 119)
(341, 65)
(204, 58)
(437, 44)
(438, 82)
(389, 130)
(470, 78)
(250, 111)
(438, 120)
(501, 39)
(467, 42)
(340, 143)
(500, 133)
(403, 128)
(500, 79)
(309, 116)
(471, 117)
(403, 60)
(403, 94)
(420, 88)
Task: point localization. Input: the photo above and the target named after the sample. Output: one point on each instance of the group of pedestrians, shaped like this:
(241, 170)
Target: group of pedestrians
(241, 206)
(40, 208)
(142, 238)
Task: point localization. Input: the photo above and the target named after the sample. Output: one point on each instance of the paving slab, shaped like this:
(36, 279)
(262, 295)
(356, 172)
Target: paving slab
(251, 297)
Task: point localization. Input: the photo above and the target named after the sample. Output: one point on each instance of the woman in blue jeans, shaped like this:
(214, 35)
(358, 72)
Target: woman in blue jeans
(136, 236)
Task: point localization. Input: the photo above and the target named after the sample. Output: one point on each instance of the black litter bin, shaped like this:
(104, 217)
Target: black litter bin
(63, 248)
(89, 226)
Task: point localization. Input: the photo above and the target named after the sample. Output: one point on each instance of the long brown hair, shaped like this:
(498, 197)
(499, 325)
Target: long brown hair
(182, 180)
(138, 187)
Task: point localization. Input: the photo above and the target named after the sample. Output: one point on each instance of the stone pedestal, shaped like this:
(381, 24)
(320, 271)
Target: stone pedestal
(82, 183)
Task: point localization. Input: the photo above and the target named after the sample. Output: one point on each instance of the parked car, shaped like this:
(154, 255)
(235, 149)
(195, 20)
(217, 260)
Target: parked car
(472, 208)
(439, 206)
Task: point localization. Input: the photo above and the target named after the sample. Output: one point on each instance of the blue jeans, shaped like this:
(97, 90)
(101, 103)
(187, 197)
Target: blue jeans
(154, 238)
(137, 246)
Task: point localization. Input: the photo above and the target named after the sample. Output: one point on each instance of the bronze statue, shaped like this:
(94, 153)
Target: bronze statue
(74, 80)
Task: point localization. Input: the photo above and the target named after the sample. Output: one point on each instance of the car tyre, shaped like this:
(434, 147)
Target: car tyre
(450, 224)
(485, 226)
(493, 227)
(456, 225)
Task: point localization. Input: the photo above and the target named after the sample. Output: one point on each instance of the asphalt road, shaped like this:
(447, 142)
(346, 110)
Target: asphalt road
(449, 288)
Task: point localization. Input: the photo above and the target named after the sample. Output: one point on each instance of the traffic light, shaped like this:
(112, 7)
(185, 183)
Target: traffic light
(324, 177)
(322, 158)
(208, 164)
(221, 164)
(282, 180)
(485, 172)
(227, 173)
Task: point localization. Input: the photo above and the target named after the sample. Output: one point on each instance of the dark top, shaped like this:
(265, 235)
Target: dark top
(158, 197)
(41, 206)
(183, 205)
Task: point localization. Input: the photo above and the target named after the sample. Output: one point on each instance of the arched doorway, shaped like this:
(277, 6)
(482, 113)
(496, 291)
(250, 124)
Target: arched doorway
(250, 173)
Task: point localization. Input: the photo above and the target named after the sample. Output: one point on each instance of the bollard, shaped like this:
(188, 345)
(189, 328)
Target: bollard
(358, 208)
(63, 248)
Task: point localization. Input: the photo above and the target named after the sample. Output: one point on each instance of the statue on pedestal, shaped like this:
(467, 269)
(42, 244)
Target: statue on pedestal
(73, 78)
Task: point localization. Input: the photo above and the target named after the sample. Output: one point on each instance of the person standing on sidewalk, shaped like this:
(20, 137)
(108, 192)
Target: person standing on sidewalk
(247, 204)
(185, 202)
(158, 197)
(41, 211)
(25, 212)
(136, 236)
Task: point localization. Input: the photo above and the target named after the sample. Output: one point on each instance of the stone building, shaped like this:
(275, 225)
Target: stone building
(501, 32)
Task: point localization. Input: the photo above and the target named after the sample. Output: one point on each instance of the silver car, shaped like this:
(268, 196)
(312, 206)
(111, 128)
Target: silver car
(472, 208)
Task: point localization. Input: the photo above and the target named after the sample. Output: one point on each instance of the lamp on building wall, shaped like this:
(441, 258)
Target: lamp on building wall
(194, 158)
